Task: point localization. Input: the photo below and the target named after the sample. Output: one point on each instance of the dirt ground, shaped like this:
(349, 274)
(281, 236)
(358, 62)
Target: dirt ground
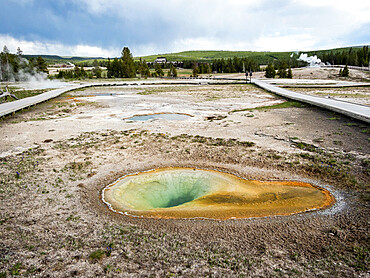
(58, 156)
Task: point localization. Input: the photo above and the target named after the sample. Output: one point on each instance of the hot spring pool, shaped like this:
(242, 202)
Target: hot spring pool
(163, 116)
(191, 193)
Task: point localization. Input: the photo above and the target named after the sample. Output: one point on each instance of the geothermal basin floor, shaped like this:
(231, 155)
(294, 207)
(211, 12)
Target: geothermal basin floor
(58, 156)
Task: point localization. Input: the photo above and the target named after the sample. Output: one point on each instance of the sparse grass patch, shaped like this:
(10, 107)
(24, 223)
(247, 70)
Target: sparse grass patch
(307, 147)
(219, 141)
(274, 156)
(318, 140)
(66, 110)
(76, 90)
(97, 254)
(286, 104)
(145, 93)
(77, 166)
(360, 258)
(14, 271)
(26, 93)
(73, 218)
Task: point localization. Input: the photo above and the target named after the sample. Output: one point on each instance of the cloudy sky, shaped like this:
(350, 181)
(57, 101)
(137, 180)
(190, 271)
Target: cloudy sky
(102, 28)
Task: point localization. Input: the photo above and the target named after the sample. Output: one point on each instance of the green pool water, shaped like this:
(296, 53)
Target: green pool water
(163, 190)
(189, 193)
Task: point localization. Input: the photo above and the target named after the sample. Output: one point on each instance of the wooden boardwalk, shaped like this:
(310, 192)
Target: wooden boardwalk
(353, 110)
(357, 111)
(14, 106)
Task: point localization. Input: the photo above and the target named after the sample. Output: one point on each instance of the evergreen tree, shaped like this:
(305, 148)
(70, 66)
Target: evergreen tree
(282, 71)
(230, 65)
(15, 67)
(172, 72)
(290, 74)
(5, 50)
(109, 69)
(77, 72)
(143, 69)
(270, 71)
(41, 65)
(352, 56)
(195, 69)
(204, 68)
(97, 71)
(95, 63)
(116, 68)
(158, 70)
(146, 70)
(19, 51)
(60, 74)
(345, 72)
(83, 72)
(128, 65)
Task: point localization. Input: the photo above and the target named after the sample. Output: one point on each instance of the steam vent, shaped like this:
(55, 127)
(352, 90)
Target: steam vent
(191, 193)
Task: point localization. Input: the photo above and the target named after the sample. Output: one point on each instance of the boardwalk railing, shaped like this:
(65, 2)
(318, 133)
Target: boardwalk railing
(353, 110)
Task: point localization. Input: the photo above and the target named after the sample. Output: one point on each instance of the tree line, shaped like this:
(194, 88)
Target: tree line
(14, 67)
(123, 67)
(282, 68)
(351, 57)
(126, 67)
(233, 65)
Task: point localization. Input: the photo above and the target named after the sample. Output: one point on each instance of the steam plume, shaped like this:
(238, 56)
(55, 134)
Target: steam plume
(312, 60)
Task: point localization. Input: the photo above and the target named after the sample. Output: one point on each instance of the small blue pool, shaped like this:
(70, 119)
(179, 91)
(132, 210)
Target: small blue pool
(166, 116)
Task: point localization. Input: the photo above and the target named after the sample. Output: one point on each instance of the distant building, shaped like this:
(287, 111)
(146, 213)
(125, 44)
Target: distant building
(160, 60)
(68, 65)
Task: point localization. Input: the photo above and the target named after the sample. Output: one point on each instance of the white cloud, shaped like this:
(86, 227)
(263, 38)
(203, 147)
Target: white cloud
(357, 10)
(53, 48)
(231, 25)
(345, 5)
(286, 42)
(164, 8)
(275, 42)
(150, 27)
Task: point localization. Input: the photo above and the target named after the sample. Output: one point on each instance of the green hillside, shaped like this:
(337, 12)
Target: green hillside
(260, 57)
(55, 59)
(210, 55)
(335, 50)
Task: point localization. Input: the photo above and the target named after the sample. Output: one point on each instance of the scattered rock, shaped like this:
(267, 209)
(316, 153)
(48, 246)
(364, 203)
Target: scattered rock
(215, 118)
(89, 175)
